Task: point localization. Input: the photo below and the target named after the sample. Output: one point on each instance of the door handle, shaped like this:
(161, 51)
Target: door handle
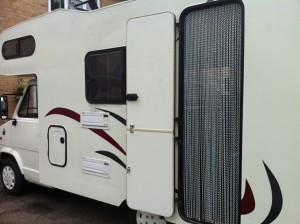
(132, 97)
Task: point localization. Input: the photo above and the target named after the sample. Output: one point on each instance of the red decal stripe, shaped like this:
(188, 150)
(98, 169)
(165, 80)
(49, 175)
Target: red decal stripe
(64, 112)
(105, 136)
(248, 201)
(75, 116)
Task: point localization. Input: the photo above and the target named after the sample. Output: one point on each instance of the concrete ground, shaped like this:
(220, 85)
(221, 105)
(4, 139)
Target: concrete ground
(48, 206)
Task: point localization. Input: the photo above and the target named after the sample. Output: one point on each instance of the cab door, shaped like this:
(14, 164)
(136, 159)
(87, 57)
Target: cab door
(150, 113)
(24, 131)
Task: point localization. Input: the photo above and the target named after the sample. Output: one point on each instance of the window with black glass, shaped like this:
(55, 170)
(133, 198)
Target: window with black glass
(17, 48)
(29, 105)
(57, 4)
(106, 76)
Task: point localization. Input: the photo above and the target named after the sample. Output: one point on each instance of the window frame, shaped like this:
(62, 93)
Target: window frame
(63, 5)
(123, 75)
(69, 4)
(18, 53)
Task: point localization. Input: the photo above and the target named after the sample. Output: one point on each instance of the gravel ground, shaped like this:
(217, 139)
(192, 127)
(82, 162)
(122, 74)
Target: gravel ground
(48, 206)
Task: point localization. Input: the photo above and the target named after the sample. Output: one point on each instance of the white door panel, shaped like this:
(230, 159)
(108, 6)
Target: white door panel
(150, 181)
(25, 131)
(24, 134)
(24, 139)
(57, 146)
(150, 119)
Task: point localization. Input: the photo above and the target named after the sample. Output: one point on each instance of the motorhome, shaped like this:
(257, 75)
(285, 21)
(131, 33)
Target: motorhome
(188, 111)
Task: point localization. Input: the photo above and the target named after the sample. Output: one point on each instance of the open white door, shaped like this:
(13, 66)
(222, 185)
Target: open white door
(150, 117)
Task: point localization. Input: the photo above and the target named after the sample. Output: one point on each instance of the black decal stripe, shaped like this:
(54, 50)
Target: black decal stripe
(277, 200)
(112, 156)
(116, 116)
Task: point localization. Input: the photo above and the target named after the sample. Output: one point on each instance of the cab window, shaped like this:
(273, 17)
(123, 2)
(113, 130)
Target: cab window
(29, 105)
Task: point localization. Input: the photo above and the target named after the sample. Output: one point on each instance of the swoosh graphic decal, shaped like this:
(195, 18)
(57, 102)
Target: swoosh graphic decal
(104, 135)
(116, 116)
(113, 157)
(75, 116)
(65, 112)
(277, 200)
(248, 201)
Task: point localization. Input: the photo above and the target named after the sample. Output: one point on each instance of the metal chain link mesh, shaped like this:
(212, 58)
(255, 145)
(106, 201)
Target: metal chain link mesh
(212, 113)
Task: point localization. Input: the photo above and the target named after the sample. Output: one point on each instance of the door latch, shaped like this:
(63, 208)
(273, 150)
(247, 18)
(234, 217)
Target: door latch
(131, 128)
(128, 169)
(132, 97)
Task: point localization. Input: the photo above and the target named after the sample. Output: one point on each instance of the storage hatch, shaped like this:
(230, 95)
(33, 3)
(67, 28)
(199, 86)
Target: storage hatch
(57, 146)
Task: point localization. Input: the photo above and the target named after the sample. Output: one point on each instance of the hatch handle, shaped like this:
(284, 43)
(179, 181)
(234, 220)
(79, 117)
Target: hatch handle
(132, 97)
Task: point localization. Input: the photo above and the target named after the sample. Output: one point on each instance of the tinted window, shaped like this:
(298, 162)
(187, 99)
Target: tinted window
(106, 76)
(10, 49)
(57, 4)
(17, 48)
(27, 47)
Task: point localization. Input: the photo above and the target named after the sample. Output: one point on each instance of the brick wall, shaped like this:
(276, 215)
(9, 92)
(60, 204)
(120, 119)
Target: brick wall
(16, 11)
(6, 87)
(110, 2)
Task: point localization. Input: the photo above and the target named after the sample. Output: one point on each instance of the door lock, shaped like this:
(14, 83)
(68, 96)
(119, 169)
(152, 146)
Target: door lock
(131, 128)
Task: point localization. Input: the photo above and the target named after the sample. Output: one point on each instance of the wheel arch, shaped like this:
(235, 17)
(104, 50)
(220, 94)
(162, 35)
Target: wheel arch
(13, 154)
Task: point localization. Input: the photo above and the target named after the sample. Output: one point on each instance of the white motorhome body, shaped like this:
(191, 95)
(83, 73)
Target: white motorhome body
(184, 109)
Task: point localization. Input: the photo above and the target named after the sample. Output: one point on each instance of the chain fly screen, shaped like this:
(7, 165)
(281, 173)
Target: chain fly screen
(212, 69)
